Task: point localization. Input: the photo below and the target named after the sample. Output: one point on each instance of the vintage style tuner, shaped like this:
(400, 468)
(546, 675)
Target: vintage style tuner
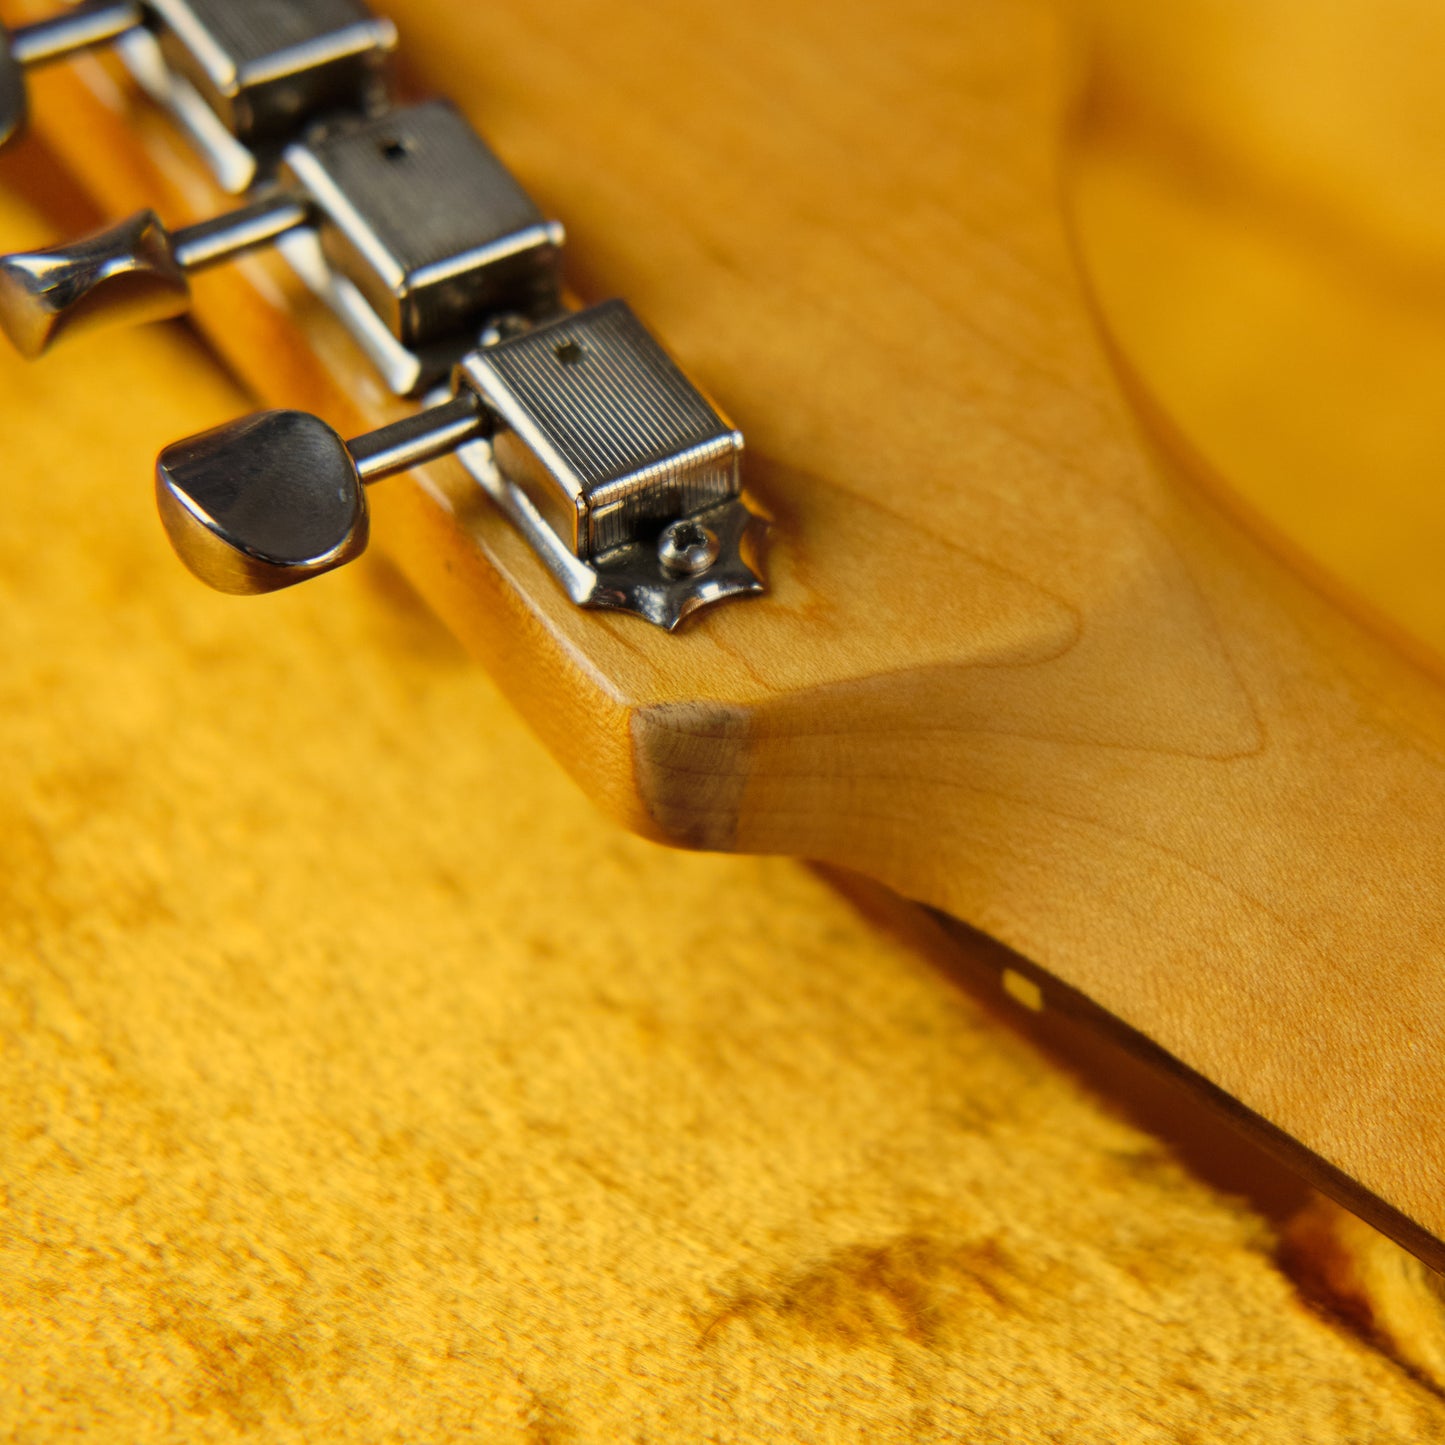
(241, 79)
(615, 466)
(406, 223)
(621, 476)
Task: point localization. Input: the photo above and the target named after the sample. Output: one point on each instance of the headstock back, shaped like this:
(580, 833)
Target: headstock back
(1014, 660)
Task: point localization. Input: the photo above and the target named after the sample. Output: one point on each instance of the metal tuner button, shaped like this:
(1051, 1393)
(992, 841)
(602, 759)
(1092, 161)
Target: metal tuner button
(273, 499)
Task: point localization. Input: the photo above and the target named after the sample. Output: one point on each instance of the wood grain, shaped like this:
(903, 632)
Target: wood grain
(1025, 658)
(1263, 239)
(359, 1082)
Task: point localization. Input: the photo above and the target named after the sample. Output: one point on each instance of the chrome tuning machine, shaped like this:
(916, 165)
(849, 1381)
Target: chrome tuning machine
(405, 222)
(241, 76)
(27, 46)
(620, 472)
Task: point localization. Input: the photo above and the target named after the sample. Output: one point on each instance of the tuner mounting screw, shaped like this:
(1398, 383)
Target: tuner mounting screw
(686, 548)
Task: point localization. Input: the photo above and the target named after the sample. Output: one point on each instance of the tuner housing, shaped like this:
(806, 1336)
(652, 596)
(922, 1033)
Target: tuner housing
(428, 225)
(266, 67)
(602, 430)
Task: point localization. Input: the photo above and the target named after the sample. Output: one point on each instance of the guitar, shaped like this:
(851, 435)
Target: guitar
(1013, 660)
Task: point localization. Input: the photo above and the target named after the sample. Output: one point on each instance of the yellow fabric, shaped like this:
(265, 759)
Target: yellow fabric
(359, 1082)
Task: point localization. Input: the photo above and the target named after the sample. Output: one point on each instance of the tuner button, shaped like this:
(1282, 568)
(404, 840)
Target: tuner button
(262, 502)
(126, 273)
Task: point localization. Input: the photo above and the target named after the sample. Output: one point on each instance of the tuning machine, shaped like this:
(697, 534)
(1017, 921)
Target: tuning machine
(241, 77)
(620, 472)
(406, 223)
(28, 46)
(613, 466)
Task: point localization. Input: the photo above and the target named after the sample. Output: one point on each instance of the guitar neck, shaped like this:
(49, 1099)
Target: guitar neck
(1020, 660)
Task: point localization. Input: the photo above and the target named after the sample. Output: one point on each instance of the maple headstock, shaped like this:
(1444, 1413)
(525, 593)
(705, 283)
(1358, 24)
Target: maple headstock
(1018, 658)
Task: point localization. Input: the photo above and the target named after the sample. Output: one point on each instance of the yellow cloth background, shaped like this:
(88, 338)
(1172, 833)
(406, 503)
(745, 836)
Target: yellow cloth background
(359, 1082)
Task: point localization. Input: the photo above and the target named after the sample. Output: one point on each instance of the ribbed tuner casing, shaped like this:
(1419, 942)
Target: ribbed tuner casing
(267, 67)
(602, 428)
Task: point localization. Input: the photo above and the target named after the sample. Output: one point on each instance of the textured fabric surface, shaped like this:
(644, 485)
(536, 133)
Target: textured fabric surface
(358, 1082)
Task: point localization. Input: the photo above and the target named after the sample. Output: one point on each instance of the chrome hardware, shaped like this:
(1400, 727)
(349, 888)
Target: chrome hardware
(241, 76)
(618, 470)
(600, 428)
(132, 272)
(686, 547)
(632, 578)
(27, 46)
(430, 232)
(273, 499)
(268, 67)
(406, 223)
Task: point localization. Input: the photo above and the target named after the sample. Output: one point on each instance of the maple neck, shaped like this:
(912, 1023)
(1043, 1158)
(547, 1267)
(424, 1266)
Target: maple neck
(1018, 660)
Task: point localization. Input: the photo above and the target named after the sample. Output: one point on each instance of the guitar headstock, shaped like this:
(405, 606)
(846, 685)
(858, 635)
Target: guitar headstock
(1013, 659)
